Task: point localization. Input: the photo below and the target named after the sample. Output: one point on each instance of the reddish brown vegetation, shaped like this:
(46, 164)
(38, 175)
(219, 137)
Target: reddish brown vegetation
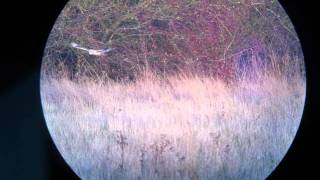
(209, 38)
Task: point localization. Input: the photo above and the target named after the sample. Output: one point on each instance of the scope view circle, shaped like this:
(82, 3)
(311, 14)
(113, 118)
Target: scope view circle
(173, 89)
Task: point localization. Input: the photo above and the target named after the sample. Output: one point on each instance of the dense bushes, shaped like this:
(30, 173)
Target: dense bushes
(206, 37)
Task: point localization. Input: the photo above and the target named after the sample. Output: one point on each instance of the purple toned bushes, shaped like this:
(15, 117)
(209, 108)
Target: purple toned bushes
(212, 38)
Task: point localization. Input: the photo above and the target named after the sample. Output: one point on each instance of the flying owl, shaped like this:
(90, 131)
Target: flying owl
(94, 52)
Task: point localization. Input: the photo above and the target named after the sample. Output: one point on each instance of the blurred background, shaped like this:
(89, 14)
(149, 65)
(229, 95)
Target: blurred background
(26, 149)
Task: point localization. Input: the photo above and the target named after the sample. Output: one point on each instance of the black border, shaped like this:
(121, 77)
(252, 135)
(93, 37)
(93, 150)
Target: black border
(27, 151)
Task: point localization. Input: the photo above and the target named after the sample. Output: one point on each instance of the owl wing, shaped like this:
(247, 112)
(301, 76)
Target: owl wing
(77, 46)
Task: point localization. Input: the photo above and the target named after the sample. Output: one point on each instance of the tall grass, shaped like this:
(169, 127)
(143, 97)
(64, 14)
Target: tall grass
(193, 90)
(166, 36)
(181, 128)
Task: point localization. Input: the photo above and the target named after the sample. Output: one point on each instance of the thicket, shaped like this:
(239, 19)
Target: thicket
(227, 39)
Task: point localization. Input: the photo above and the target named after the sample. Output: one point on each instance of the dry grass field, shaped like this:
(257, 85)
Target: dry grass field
(193, 89)
(183, 128)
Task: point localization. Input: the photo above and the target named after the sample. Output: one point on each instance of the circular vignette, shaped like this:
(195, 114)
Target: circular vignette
(173, 89)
